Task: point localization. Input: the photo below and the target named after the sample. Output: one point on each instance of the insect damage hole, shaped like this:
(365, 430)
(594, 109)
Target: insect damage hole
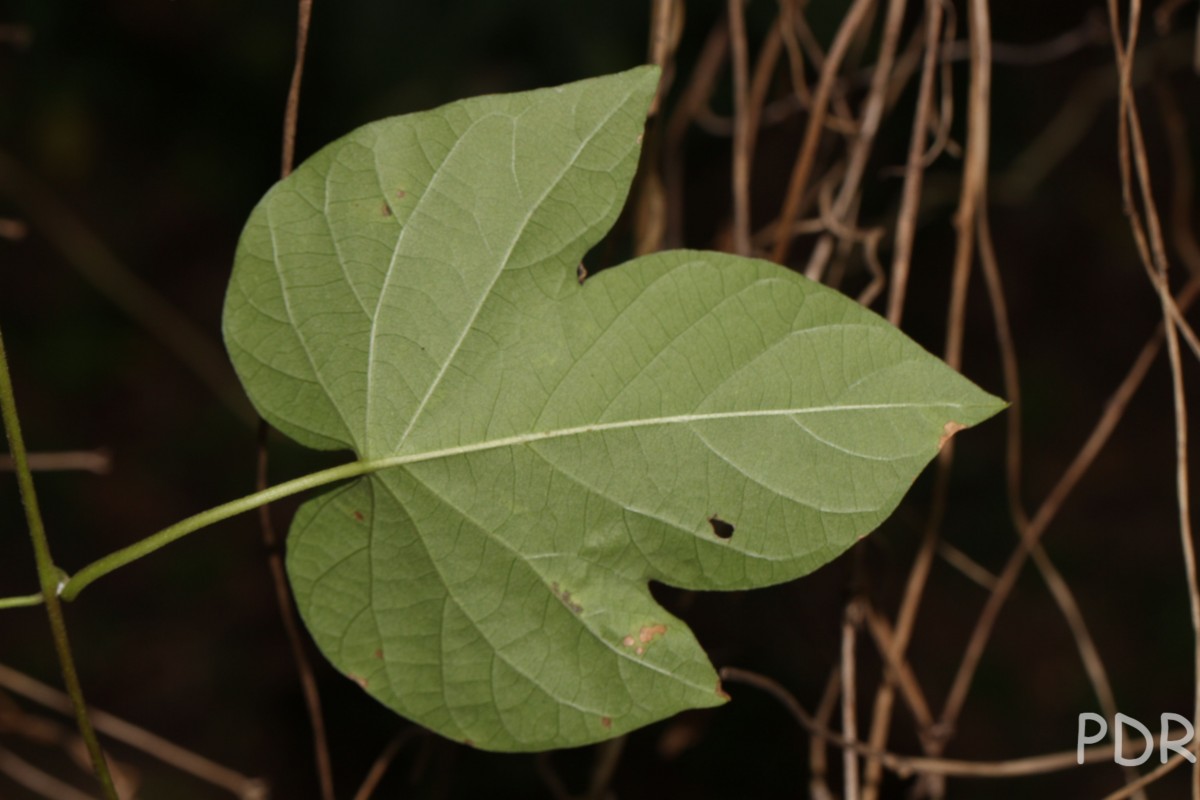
(721, 528)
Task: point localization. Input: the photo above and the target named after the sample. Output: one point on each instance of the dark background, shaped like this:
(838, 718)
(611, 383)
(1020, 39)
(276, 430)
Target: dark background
(159, 125)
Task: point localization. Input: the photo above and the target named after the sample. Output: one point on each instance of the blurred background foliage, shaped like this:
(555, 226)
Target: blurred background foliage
(158, 125)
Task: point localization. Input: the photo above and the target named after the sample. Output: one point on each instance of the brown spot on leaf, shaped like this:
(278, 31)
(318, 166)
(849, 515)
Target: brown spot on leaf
(385, 209)
(649, 633)
(948, 431)
(628, 641)
(721, 693)
(721, 528)
(401, 194)
(581, 273)
(361, 681)
(358, 515)
(379, 654)
(469, 742)
(565, 596)
(606, 722)
(640, 651)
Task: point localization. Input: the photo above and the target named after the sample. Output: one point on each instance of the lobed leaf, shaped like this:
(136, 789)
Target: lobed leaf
(699, 419)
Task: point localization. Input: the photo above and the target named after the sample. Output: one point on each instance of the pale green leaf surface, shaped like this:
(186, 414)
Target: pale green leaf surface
(410, 293)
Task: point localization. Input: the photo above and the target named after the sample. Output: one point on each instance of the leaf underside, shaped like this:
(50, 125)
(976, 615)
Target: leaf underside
(699, 419)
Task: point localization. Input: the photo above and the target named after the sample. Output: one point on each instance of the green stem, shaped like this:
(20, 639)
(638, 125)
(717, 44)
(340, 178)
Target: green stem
(98, 569)
(22, 601)
(49, 577)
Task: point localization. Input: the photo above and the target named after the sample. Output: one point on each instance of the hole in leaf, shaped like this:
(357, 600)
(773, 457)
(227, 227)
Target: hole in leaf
(721, 528)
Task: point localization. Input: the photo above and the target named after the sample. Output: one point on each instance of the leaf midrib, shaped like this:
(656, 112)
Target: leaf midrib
(678, 419)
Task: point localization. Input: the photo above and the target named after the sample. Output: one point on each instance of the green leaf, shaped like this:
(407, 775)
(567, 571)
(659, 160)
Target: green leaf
(699, 419)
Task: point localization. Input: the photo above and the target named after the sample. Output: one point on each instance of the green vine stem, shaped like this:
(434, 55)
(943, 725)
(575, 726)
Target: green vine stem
(49, 577)
(23, 601)
(98, 569)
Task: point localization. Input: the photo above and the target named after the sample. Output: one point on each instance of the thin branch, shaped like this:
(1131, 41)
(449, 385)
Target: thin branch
(1154, 260)
(608, 757)
(127, 733)
(900, 673)
(37, 781)
(554, 784)
(1154, 775)
(49, 578)
(699, 88)
(818, 765)
(742, 132)
(1090, 32)
(1183, 233)
(967, 566)
(757, 111)
(802, 169)
(906, 766)
(791, 42)
(839, 118)
(296, 641)
(666, 29)
(915, 170)
(380, 767)
(97, 462)
(291, 113)
(860, 149)
(850, 623)
(1183, 497)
